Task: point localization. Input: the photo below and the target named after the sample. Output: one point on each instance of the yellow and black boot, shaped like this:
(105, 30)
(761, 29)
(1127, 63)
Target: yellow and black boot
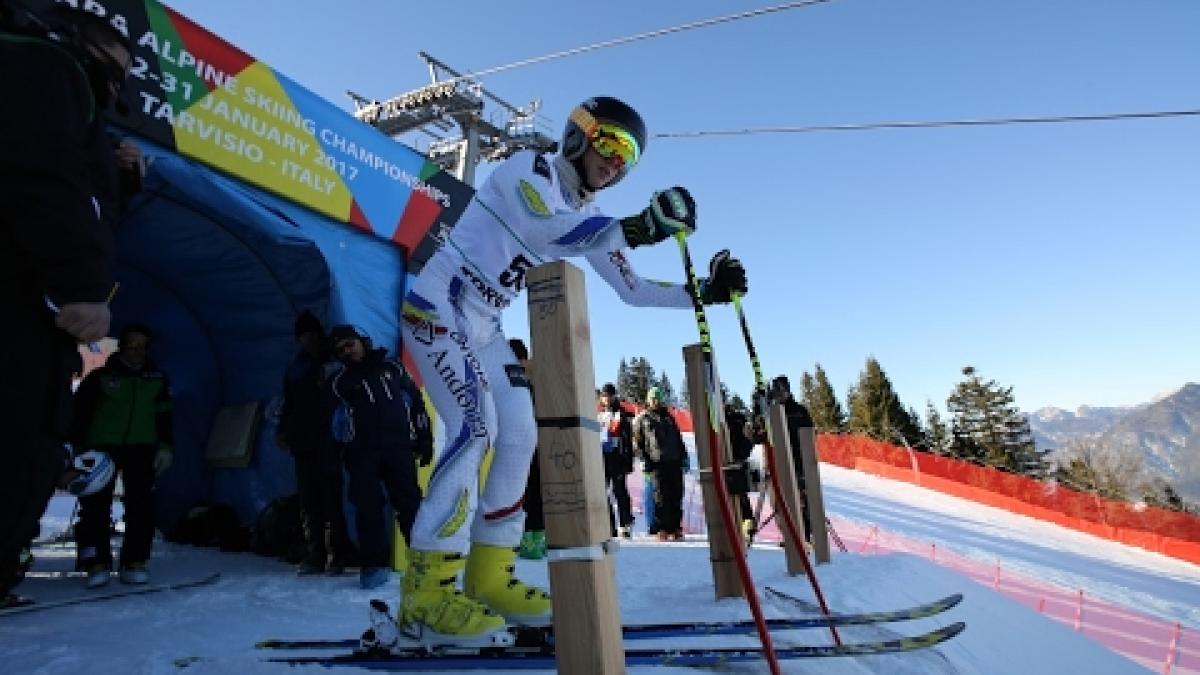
(489, 579)
(431, 599)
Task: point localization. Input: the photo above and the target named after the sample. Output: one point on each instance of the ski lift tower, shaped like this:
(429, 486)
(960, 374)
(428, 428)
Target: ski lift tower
(457, 100)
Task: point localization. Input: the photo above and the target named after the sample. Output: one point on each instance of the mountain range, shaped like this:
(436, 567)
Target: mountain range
(1166, 432)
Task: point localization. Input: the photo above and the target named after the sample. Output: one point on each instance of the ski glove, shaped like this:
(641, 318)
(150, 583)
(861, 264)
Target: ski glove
(726, 276)
(670, 211)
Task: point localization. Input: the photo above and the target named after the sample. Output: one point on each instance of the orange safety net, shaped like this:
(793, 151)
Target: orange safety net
(1171, 533)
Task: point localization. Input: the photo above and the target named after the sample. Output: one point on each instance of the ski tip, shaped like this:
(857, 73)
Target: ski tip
(950, 630)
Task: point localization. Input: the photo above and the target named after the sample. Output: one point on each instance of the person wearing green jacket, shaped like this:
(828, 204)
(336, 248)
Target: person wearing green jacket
(124, 409)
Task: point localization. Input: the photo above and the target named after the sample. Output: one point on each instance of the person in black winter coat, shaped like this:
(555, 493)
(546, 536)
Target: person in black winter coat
(741, 444)
(798, 418)
(381, 424)
(56, 257)
(303, 424)
(618, 457)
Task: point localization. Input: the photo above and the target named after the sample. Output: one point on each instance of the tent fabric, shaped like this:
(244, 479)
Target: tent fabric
(220, 270)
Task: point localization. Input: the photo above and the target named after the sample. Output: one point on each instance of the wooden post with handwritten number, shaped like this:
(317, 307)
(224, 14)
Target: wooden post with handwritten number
(587, 618)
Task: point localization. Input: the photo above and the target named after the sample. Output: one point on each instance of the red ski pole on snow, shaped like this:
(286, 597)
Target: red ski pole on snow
(713, 395)
(781, 504)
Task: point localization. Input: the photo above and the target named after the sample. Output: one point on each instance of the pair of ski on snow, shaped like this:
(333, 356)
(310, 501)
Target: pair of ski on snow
(533, 646)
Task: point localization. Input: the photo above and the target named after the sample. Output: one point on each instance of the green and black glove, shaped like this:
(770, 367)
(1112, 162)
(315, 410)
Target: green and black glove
(670, 211)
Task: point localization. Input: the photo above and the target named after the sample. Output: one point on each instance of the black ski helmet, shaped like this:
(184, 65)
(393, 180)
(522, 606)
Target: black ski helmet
(600, 110)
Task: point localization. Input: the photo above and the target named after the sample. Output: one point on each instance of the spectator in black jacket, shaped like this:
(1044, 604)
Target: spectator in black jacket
(798, 418)
(381, 423)
(56, 257)
(618, 457)
(533, 538)
(741, 443)
(303, 430)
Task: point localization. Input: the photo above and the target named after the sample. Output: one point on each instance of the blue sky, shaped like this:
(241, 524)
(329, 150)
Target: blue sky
(1059, 259)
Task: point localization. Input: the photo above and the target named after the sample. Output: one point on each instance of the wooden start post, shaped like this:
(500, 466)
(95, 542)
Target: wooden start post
(781, 450)
(587, 618)
(785, 457)
(726, 580)
(814, 499)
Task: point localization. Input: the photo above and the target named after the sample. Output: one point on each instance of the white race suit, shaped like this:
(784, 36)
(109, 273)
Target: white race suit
(524, 214)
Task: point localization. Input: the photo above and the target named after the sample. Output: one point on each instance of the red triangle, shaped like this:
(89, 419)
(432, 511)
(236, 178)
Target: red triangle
(419, 214)
(208, 48)
(357, 218)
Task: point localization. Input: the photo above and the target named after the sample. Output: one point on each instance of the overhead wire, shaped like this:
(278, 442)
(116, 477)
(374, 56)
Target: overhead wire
(646, 36)
(930, 124)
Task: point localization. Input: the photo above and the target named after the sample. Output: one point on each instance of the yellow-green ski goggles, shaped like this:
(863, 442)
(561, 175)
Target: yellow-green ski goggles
(612, 141)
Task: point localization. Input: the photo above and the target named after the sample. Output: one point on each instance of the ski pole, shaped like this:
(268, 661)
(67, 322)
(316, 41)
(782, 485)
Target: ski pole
(781, 505)
(712, 393)
(836, 538)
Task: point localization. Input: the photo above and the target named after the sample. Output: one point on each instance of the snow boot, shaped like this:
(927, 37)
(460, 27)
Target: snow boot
(134, 573)
(533, 545)
(489, 579)
(98, 575)
(432, 603)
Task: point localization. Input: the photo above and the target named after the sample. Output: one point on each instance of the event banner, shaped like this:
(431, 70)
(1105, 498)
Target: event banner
(191, 91)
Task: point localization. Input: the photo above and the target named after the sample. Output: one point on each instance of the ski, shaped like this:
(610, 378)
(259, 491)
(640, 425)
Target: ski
(111, 595)
(651, 631)
(538, 658)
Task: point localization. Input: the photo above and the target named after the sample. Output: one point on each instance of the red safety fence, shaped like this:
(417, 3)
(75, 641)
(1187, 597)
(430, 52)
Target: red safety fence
(1158, 644)
(1171, 533)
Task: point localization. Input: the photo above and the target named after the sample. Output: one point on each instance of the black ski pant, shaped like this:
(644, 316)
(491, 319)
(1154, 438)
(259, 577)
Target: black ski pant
(37, 361)
(535, 517)
(620, 492)
(668, 497)
(374, 470)
(319, 484)
(135, 464)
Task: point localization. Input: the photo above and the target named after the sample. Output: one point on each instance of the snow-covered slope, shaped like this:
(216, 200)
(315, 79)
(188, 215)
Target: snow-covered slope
(258, 598)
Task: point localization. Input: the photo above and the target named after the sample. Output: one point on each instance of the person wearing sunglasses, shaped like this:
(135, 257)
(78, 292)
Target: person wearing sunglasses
(531, 210)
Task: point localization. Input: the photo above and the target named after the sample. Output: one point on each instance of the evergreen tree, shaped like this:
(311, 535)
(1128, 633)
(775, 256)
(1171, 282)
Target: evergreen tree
(922, 442)
(739, 404)
(937, 436)
(876, 411)
(988, 428)
(641, 378)
(624, 381)
(818, 396)
(668, 391)
(1111, 472)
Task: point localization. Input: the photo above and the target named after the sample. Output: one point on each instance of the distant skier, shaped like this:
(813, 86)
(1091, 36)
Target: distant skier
(533, 209)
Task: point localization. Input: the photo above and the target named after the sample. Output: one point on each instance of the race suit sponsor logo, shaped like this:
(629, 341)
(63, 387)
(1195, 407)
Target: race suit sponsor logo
(490, 295)
(617, 258)
(465, 390)
(457, 518)
(533, 200)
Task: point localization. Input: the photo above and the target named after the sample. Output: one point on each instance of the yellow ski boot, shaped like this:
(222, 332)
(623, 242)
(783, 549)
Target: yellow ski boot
(434, 611)
(489, 579)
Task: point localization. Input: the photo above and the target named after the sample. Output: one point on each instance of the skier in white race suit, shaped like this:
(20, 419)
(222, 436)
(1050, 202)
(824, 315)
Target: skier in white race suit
(533, 209)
